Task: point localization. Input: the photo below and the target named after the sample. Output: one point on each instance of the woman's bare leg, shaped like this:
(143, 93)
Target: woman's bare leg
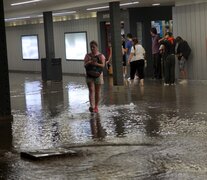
(97, 94)
(91, 88)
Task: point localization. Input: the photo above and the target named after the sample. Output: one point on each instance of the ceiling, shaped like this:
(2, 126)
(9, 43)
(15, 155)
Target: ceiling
(80, 6)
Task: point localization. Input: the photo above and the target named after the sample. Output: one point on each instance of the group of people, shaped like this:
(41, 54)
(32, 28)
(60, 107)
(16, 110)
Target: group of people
(163, 50)
(133, 55)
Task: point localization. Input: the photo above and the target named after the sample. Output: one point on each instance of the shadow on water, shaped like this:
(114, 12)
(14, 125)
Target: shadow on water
(97, 131)
(53, 97)
(5, 146)
(5, 135)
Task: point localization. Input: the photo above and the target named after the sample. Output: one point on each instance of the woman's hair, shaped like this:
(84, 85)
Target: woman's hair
(94, 43)
(178, 39)
(170, 34)
(129, 35)
(153, 30)
(135, 40)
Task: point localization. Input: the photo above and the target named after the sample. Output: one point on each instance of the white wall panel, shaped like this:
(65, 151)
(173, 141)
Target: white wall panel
(13, 35)
(190, 23)
(88, 25)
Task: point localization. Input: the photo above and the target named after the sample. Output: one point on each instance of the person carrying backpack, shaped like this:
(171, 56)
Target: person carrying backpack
(183, 51)
(94, 63)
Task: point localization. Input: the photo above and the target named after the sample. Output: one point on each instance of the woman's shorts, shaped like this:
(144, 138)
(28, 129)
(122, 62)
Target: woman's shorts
(98, 80)
(182, 63)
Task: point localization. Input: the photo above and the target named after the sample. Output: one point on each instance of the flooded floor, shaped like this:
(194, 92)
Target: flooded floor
(153, 132)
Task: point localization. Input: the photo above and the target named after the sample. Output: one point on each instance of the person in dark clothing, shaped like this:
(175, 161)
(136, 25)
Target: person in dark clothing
(156, 58)
(168, 45)
(124, 63)
(183, 51)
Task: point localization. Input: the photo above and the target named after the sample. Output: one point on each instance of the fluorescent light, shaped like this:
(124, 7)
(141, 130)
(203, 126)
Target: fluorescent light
(18, 18)
(105, 7)
(156, 4)
(95, 8)
(130, 3)
(62, 13)
(25, 2)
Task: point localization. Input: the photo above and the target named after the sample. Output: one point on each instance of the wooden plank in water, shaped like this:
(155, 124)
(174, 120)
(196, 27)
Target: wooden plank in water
(46, 153)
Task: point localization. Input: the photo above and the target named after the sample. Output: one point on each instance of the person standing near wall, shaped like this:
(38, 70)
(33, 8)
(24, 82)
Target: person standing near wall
(156, 58)
(183, 51)
(168, 43)
(94, 63)
(124, 56)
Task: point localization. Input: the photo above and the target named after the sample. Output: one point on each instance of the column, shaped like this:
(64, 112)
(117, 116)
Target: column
(51, 66)
(115, 21)
(5, 106)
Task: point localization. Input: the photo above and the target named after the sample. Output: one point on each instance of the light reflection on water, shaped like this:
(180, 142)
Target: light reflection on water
(50, 121)
(56, 114)
(77, 98)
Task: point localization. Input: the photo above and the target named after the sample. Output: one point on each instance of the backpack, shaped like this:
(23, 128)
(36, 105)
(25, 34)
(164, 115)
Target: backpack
(185, 49)
(92, 70)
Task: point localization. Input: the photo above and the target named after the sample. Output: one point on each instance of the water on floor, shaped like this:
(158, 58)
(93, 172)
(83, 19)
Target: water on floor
(151, 132)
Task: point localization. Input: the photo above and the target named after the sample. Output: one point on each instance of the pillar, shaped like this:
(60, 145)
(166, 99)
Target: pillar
(115, 21)
(51, 66)
(5, 106)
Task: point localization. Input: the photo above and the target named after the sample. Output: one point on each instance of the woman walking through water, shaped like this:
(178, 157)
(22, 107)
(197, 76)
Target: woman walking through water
(137, 61)
(94, 63)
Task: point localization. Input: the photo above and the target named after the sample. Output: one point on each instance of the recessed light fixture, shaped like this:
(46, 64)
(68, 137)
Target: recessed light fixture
(130, 3)
(156, 4)
(18, 18)
(96, 8)
(106, 7)
(25, 2)
(63, 13)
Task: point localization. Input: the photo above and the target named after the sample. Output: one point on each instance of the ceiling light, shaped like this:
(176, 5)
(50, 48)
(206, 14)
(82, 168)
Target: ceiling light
(130, 3)
(96, 8)
(156, 4)
(25, 2)
(106, 7)
(18, 18)
(63, 13)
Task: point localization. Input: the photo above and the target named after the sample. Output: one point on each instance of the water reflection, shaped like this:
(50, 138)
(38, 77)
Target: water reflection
(135, 113)
(39, 128)
(119, 124)
(97, 130)
(53, 98)
(5, 134)
(77, 98)
(33, 99)
(152, 124)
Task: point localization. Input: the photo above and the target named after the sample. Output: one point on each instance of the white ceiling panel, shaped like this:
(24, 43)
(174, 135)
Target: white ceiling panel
(80, 6)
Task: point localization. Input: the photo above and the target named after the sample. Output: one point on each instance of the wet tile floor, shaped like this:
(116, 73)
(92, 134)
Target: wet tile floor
(146, 133)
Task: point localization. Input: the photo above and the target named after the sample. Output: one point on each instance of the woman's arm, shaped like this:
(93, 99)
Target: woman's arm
(102, 59)
(130, 57)
(87, 60)
(110, 56)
